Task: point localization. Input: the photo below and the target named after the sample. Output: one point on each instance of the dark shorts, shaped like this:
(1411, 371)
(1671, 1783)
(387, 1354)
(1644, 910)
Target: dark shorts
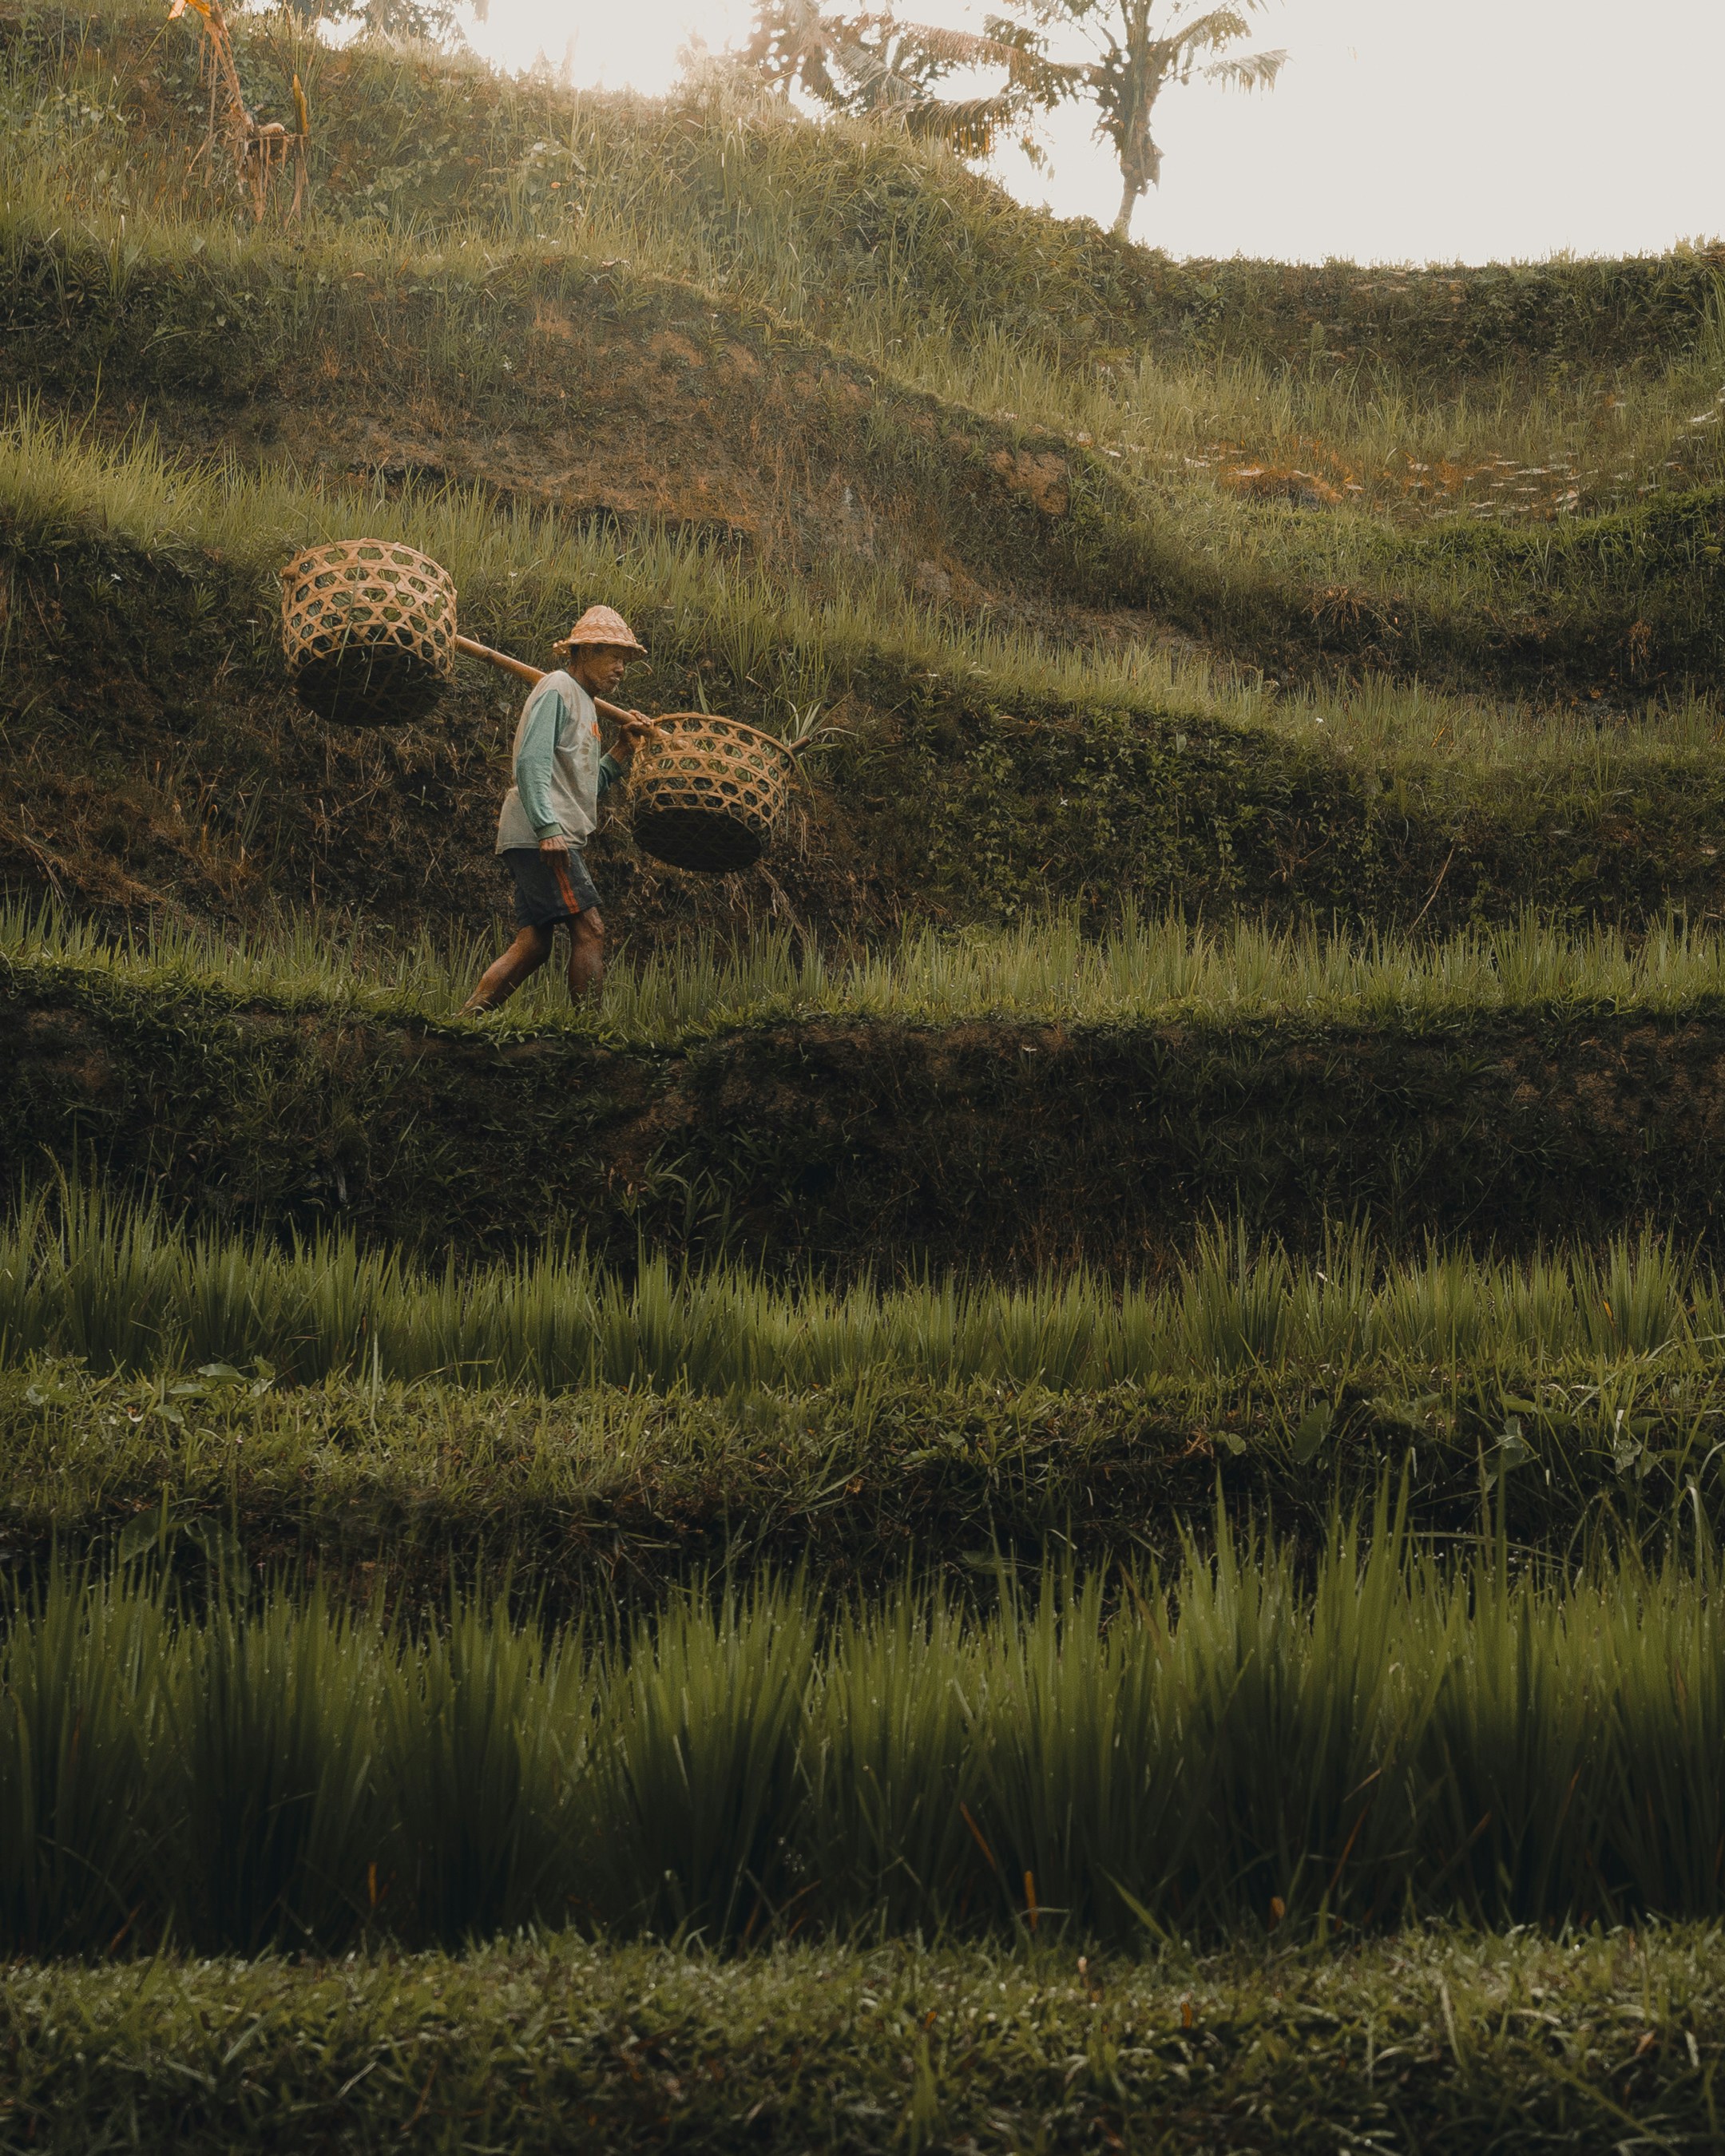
(549, 887)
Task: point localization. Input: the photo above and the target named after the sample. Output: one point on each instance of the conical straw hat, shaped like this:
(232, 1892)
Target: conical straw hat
(602, 624)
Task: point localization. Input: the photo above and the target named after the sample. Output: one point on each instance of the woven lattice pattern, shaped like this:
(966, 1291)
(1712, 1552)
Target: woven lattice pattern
(706, 797)
(368, 629)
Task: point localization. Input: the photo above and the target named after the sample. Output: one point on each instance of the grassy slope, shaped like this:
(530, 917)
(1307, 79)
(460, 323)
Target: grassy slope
(925, 363)
(790, 314)
(567, 380)
(849, 227)
(570, 382)
(138, 594)
(1447, 2044)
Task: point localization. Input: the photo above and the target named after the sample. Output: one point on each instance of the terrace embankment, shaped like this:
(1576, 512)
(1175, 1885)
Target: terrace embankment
(579, 385)
(576, 383)
(851, 1143)
(156, 761)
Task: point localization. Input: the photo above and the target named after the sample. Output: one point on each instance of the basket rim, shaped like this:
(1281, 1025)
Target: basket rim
(739, 725)
(322, 550)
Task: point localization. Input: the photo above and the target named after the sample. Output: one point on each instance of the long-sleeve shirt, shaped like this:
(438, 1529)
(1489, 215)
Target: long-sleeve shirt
(558, 771)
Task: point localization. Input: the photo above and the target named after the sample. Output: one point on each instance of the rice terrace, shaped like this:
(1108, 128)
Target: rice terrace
(862, 1107)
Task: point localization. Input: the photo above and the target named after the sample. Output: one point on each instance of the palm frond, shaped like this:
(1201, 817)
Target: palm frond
(877, 62)
(970, 125)
(1025, 66)
(1221, 25)
(1251, 71)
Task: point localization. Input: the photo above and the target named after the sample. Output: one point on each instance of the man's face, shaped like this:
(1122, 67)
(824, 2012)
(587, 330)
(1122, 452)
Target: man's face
(599, 667)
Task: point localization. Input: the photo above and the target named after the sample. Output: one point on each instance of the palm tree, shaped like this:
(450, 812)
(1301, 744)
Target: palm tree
(1141, 46)
(873, 62)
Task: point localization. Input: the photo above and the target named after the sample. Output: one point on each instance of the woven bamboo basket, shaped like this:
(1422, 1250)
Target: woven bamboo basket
(706, 793)
(368, 628)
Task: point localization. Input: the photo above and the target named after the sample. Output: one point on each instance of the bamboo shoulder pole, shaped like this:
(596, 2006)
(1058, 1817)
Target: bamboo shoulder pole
(469, 648)
(519, 667)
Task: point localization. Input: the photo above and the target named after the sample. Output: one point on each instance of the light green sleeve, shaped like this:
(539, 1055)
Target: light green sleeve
(533, 764)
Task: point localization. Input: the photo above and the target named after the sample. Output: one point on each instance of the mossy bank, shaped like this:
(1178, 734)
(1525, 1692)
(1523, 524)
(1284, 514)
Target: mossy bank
(855, 1144)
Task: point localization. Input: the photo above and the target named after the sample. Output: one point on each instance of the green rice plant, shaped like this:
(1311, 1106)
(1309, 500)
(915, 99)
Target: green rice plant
(81, 1756)
(1540, 1307)
(695, 1797)
(1433, 1313)
(1512, 1753)
(1334, 1306)
(272, 1823)
(1668, 1810)
(1235, 1304)
(1387, 1735)
(1084, 1812)
(1264, 1719)
(1396, 1738)
(485, 1735)
(1635, 1301)
(121, 1276)
(891, 1769)
(1047, 1335)
(1043, 970)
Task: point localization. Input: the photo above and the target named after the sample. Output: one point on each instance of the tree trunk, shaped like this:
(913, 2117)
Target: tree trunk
(1129, 193)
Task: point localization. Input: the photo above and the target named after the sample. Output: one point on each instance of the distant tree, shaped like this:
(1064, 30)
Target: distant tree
(1141, 47)
(875, 64)
(432, 20)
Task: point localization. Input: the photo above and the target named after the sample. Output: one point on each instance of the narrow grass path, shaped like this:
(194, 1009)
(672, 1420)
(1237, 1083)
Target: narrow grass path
(1434, 2042)
(611, 1495)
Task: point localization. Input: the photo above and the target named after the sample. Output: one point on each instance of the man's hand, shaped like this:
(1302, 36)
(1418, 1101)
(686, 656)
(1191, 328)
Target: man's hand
(559, 844)
(633, 727)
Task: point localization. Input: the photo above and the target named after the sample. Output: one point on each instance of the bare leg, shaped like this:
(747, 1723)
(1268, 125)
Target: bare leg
(528, 953)
(587, 956)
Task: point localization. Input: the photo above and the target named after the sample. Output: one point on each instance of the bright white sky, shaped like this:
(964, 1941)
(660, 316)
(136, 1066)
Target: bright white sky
(1401, 130)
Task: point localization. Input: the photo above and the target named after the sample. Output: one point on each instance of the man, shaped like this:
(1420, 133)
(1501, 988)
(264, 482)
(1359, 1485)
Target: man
(553, 808)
